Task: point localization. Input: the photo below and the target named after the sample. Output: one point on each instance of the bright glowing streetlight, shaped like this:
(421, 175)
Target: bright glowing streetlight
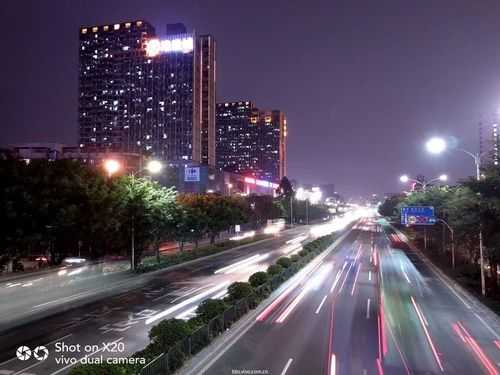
(112, 166)
(436, 145)
(405, 179)
(154, 166)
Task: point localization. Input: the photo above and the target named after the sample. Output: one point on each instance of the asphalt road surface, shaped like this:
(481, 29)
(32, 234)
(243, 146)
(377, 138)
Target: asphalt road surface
(118, 326)
(373, 306)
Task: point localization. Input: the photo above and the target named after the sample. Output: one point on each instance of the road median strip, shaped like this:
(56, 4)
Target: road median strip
(173, 341)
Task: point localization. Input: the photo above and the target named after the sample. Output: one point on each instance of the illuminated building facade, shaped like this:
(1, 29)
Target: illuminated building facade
(251, 141)
(495, 151)
(146, 95)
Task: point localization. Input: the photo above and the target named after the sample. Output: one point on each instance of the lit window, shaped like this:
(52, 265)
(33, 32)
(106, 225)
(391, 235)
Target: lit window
(116, 26)
(95, 29)
(84, 30)
(106, 28)
(127, 25)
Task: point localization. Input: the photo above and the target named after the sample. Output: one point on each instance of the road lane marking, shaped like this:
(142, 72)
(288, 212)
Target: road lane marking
(369, 275)
(85, 357)
(487, 326)
(289, 362)
(368, 309)
(320, 305)
(23, 371)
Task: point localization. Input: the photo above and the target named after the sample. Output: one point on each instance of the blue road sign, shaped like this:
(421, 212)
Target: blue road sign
(418, 215)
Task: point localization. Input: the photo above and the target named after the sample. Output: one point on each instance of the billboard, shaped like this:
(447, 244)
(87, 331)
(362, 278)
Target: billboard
(418, 215)
(191, 174)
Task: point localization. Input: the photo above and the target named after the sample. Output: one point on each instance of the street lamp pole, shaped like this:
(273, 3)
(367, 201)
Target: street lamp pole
(307, 211)
(452, 241)
(477, 161)
(404, 178)
(438, 145)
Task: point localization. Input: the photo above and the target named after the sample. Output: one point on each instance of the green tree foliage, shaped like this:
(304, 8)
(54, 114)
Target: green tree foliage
(263, 208)
(146, 211)
(465, 207)
(166, 333)
(211, 214)
(258, 278)
(274, 269)
(284, 262)
(389, 207)
(66, 208)
(239, 290)
(210, 308)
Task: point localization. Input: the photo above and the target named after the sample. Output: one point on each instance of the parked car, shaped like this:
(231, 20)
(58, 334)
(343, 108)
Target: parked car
(30, 263)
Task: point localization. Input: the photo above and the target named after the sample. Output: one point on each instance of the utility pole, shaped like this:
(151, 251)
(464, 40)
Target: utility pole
(132, 245)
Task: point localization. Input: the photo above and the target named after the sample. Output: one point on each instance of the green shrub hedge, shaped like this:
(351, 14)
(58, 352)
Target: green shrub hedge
(166, 335)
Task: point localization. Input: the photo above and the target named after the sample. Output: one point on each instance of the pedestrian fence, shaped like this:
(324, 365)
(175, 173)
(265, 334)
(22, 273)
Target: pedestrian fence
(167, 363)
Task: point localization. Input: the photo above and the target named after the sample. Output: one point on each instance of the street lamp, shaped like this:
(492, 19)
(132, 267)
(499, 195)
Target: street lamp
(404, 179)
(302, 195)
(154, 166)
(112, 166)
(437, 146)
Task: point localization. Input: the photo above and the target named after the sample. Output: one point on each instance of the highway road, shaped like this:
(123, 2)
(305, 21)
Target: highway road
(373, 306)
(34, 295)
(126, 318)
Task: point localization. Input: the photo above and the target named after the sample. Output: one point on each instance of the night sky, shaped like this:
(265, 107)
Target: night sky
(362, 83)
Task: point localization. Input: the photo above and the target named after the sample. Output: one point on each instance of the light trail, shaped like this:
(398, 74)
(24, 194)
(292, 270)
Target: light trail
(355, 279)
(345, 278)
(483, 358)
(300, 277)
(427, 335)
(179, 306)
(404, 272)
(242, 263)
(396, 344)
(333, 365)
(291, 306)
(287, 365)
(337, 278)
(320, 305)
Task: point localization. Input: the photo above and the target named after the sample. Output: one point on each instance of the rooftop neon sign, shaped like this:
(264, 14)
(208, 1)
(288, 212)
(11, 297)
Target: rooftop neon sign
(156, 46)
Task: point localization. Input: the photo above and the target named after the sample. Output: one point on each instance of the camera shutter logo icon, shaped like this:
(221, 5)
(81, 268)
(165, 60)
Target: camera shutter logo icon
(23, 353)
(41, 353)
